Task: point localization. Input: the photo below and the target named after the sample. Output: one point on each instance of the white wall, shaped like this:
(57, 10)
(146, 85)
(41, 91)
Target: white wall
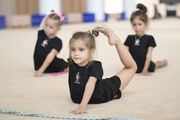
(45, 6)
(150, 6)
(113, 6)
(99, 7)
(128, 7)
(96, 7)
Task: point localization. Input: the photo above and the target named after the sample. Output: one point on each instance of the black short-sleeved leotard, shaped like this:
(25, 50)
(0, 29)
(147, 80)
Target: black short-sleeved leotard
(43, 47)
(139, 48)
(105, 89)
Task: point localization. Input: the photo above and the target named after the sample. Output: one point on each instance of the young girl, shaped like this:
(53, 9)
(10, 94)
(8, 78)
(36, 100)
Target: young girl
(85, 74)
(141, 45)
(48, 45)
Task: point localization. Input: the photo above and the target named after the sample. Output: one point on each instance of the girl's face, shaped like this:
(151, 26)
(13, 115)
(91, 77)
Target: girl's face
(79, 53)
(51, 27)
(139, 26)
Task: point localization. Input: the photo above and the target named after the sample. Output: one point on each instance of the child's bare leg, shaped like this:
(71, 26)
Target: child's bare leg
(160, 64)
(130, 67)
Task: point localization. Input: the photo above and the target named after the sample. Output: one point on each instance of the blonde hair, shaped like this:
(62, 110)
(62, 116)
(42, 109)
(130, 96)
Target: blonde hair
(56, 17)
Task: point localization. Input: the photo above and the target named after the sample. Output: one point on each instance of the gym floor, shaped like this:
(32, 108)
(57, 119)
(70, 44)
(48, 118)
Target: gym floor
(153, 97)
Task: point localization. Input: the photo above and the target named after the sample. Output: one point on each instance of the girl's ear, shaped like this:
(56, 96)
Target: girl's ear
(147, 26)
(92, 51)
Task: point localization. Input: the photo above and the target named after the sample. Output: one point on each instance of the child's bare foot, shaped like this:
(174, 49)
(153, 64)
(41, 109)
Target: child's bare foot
(160, 64)
(109, 34)
(111, 40)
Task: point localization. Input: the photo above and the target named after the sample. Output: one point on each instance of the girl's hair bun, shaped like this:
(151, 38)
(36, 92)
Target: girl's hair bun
(141, 7)
(94, 32)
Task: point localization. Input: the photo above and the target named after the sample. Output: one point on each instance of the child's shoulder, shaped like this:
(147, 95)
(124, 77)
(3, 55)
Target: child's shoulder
(58, 38)
(146, 36)
(131, 35)
(96, 62)
(41, 31)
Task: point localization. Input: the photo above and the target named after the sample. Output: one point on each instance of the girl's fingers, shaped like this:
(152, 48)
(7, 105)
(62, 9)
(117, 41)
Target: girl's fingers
(71, 111)
(146, 74)
(78, 112)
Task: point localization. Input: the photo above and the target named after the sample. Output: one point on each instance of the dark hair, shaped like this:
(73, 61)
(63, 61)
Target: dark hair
(56, 17)
(94, 32)
(141, 13)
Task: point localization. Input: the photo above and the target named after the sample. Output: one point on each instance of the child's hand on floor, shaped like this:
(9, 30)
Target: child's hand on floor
(145, 74)
(38, 74)
(79, 111)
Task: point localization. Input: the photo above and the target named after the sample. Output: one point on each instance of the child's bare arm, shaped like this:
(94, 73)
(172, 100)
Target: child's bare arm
(46, 63)
(147, 62)
(89, 89)
(42, 23)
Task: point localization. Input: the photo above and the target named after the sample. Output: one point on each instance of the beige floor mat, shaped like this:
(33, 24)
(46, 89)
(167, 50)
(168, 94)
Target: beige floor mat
(154, 97)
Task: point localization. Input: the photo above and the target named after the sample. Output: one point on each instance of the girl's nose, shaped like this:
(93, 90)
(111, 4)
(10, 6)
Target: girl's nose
(136, 28)
(47, 28)
(76, 52)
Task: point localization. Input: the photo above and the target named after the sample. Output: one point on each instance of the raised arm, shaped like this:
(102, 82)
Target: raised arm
(42, 23)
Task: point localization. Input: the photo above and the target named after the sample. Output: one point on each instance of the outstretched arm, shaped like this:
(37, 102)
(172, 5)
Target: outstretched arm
(89, 89)
(147, 62)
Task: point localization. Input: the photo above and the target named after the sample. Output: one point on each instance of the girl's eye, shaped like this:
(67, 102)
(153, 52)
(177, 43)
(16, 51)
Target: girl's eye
(72, 49)
(81, 49)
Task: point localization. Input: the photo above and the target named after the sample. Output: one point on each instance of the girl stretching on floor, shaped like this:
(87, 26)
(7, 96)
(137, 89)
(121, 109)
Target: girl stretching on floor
(141, 45)
(48, 45)
(85, 74)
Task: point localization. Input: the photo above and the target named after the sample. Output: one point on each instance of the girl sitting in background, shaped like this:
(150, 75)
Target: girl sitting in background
(48, 45)
(141, 45)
